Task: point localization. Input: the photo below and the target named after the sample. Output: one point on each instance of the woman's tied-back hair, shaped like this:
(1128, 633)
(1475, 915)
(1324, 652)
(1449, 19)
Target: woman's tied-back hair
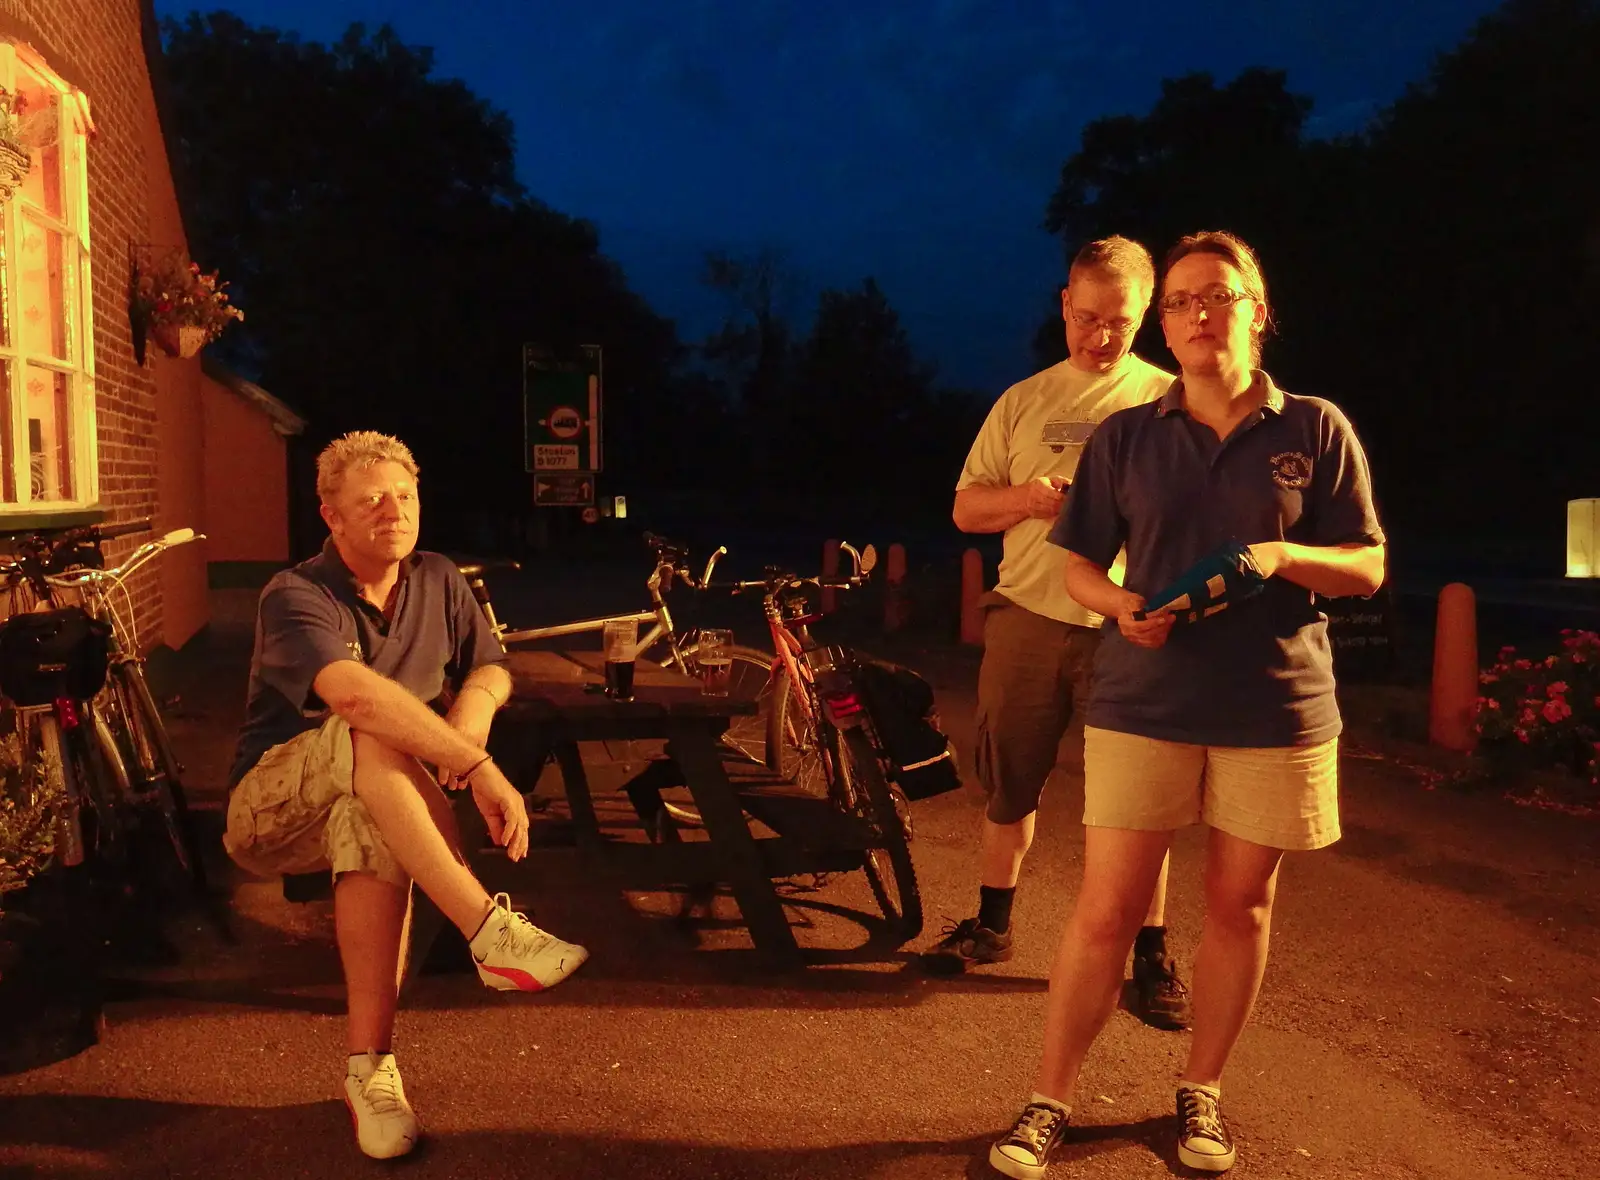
(359, 448)
(1233, 249)
(1117, 257)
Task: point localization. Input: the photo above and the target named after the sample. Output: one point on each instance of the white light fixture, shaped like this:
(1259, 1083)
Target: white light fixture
(1583, 538)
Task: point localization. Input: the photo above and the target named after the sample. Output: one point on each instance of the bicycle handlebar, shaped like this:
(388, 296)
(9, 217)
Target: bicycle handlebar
(107, 532)
(134, 560)
(777, 580)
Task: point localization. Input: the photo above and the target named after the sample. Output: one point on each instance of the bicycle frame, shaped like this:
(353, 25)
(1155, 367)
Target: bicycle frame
(660, 616)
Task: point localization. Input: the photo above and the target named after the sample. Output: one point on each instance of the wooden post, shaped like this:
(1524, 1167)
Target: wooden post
(971, 591)
(1455, 670)
(830, 569)
(894, 589)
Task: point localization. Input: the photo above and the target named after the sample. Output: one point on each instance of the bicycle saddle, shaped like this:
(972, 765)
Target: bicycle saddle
(476, 569)
(665, 549)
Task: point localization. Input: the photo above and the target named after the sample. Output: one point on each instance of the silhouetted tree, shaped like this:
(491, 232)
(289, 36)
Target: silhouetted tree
(390, 262)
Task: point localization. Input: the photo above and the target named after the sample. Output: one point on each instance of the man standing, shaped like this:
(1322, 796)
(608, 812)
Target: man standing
(1039, 643)
(332, 769)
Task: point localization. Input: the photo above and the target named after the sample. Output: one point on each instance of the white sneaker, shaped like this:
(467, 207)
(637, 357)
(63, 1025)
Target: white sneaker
(385, 1126)
(513, 954)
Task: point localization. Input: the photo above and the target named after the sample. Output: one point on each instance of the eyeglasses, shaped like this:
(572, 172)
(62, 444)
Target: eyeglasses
(1216, 299)
(1090, 322)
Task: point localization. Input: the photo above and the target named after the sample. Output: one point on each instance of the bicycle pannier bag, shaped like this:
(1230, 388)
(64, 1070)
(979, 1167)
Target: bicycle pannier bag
(45, 655)
(902, 707)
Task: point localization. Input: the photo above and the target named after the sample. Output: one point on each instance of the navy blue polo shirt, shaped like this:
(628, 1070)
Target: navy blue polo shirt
(313, 615)
(1152, 478)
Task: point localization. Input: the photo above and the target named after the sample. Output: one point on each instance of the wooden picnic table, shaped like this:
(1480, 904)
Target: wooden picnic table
(556, 703)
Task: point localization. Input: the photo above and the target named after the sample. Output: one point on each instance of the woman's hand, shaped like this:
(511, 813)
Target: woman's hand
(1150, 631)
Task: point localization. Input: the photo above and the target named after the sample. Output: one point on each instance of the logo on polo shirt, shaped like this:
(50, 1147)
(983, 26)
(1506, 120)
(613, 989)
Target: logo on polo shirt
(1291, 470)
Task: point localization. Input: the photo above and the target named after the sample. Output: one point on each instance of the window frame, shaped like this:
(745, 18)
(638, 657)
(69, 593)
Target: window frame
(72, 131)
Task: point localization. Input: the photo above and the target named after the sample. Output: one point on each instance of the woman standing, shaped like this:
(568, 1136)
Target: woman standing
(1226, 718)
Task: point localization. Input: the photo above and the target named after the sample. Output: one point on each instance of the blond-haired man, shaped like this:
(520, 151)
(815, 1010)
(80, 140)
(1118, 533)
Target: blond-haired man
(1039, 643)
(352, 647)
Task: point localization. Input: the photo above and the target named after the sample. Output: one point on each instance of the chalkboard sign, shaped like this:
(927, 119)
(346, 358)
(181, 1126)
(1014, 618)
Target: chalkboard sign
(1362, 632)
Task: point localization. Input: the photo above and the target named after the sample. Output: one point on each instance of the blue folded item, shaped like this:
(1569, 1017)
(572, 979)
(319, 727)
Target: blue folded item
(1215, 582)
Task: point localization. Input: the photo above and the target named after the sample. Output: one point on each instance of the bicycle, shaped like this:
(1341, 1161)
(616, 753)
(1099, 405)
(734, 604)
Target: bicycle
(821, 734)
(751, 670)
(84, 710)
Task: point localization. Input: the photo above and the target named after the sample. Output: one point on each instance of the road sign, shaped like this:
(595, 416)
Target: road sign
(557, 458)
(561, 397)
(569, 491)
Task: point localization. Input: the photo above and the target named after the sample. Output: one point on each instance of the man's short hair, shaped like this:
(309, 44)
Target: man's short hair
(359, 448)
(1119, 258)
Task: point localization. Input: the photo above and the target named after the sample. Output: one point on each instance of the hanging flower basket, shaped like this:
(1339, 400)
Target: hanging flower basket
(179, 340)
(15, 160)
(14, 165)
(179, 306)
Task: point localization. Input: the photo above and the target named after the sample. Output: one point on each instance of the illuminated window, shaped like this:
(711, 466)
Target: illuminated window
(47, 431)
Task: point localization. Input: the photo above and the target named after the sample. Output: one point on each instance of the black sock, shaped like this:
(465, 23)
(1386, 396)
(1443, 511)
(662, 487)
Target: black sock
(994, 908)
(1151, 942)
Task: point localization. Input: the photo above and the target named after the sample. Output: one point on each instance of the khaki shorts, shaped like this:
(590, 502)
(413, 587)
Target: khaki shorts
(1035, 672)
(296, 812)
(1280, 797)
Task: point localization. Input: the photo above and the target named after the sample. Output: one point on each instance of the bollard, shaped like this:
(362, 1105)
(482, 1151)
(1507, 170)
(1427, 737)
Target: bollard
(830, 569)
(894, 589)
(971, 591)
(1454, 697)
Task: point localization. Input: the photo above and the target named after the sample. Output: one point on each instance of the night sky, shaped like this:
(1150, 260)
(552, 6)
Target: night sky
(918, 143)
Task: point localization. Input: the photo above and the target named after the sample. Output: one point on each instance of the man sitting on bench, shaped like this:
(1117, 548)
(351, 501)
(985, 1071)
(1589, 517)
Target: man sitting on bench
(331, 770)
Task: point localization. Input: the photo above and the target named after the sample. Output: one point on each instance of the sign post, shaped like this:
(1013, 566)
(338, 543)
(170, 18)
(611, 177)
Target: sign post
(561, 400)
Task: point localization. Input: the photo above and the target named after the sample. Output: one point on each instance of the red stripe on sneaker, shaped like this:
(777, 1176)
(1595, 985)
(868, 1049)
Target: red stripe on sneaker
(522, 979)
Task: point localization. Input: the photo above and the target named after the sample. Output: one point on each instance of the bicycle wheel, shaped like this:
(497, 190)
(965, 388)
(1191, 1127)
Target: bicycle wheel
(750, 679)
(864, 791)
(155, 770)
(795, 747)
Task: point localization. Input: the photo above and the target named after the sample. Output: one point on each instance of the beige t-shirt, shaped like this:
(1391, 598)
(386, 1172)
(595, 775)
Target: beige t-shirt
(1038, 427)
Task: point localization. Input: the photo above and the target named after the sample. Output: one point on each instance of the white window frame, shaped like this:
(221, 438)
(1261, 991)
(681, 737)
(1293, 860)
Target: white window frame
(72, 132)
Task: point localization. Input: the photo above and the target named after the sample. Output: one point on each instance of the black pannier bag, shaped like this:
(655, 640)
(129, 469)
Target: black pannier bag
(45, 655)
(902, 707)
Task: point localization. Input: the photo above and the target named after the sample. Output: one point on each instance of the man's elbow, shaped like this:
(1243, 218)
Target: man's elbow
(1374, 570)
(345, 689)
(961, 515)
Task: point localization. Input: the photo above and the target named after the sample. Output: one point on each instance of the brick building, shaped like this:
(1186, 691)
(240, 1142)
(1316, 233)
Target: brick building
(89, 433)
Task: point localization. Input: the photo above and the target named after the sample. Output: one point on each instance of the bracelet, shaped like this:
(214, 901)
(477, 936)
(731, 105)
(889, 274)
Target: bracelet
(476, 766)
(484, 690)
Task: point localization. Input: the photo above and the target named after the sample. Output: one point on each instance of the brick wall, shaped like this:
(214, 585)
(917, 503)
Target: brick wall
(98, 46)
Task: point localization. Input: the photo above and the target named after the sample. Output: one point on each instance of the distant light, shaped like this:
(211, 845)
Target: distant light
(1583, 538)
(621, 511)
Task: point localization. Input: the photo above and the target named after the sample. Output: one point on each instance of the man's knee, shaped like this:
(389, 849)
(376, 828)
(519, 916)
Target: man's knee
(352, 843)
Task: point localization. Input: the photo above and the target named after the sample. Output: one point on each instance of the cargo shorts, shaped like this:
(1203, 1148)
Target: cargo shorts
(296, 812)
(1036, 671)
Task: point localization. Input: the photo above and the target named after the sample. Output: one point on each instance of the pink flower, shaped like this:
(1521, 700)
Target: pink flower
(1556, 710)
(1522, 665)
(1522, 736)
(1528, 717)
(1557, 687)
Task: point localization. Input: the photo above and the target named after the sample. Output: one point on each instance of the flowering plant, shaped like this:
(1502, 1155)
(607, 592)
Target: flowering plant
(176, 291)
(27, 818)
(13, 105)
(1544, 712)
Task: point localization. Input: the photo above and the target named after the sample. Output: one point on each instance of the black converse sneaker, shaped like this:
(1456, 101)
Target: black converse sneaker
(963, 944)
(1024, 1154)
(1204, 1143)
(1160, 999)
